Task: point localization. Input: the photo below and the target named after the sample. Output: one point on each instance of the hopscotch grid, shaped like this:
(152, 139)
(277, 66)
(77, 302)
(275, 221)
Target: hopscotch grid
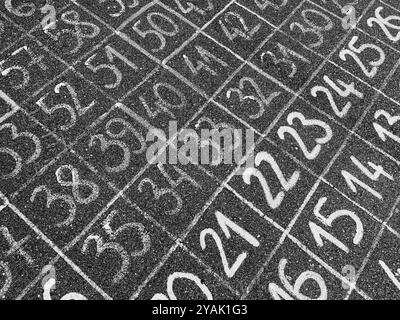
(139, 85)
(198, 29)
(58, 251)
(297, 161)
(309, 197)
(67, 148)
(150, 276)
(38, 174)
(311, 105)
(389, 5)
(69, 68)
(265, 20)
(320, 67)
(25, 291)
(276, 225)
(328, 115)
(120, 193)
(245, 62)
(87, 227)
(148, 217)
(124, 23)
(301, 97)
(226, 48)
(131, 42)
(386, 44)
(348, 71)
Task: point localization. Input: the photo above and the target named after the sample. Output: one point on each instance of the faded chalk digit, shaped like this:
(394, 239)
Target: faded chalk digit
(49, 20)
